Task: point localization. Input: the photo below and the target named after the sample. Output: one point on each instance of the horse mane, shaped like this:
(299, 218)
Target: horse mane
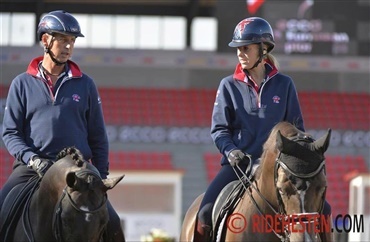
(74, 153)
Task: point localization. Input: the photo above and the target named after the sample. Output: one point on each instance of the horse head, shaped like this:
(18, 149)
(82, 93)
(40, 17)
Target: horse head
(81, 212)
(300, 181)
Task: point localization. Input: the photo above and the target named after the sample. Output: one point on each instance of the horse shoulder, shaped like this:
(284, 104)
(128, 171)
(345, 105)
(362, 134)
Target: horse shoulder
(188, 224)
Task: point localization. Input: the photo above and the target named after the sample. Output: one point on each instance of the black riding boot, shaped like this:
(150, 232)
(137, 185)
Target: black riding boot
(202, 233)
(113, 232)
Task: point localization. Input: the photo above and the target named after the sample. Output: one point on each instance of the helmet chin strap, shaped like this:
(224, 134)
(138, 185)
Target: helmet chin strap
(51, 54)
(260, 57)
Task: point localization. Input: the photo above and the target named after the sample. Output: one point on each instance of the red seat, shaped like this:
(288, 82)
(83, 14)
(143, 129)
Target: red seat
(140, 160)
(6, 165)
(336, 110)
(338, 185)
(212, 164)
(157, 107)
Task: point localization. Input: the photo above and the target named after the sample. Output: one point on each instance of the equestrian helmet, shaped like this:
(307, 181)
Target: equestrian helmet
(59, 22)
(253, 30)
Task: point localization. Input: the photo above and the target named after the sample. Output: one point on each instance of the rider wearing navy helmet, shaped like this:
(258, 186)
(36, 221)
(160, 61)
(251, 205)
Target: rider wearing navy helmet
(60, 22)
(54, 105)
(254, 30)
(247, 106)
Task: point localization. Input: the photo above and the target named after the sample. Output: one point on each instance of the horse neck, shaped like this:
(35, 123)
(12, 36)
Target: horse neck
(52, 184)
(266, 184)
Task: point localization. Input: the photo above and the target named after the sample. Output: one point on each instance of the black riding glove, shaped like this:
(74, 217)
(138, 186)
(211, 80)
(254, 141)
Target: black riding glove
(40, 165)
(236, 156)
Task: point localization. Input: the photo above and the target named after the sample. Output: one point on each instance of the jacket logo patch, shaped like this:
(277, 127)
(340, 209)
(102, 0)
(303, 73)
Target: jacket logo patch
(276, 99)
(76, 97)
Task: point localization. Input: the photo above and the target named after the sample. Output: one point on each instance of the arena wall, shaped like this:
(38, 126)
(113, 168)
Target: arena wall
(190, 69)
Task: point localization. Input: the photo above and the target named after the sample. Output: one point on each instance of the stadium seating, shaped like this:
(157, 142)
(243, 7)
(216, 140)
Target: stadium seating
(212, 164)
(157, 107)
(336, 110)
(153, 161)
(338, 169)
(3, 91)
(193, 107)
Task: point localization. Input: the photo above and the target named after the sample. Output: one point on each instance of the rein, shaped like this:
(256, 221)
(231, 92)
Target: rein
(57, 221)
(282, 238)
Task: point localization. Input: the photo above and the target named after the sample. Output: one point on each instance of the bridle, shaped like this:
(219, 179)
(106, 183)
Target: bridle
(281, 213)
(57, 220)
(292, 218)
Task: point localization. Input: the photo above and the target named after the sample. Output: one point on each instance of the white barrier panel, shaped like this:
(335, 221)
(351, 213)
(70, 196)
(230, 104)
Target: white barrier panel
(147, 200)
(359, 205)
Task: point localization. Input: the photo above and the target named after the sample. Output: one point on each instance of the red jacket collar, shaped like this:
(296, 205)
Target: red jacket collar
(240, 75)
(33, 67)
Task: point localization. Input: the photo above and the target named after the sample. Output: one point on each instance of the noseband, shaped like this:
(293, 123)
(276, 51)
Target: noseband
(57, 221)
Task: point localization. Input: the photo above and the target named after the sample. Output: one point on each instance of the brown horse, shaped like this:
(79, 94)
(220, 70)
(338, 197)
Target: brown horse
(285, 198)
(70, 203)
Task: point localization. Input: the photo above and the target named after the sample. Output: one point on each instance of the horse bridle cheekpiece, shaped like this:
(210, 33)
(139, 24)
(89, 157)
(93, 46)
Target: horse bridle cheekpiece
(304, 168)
(92, 176)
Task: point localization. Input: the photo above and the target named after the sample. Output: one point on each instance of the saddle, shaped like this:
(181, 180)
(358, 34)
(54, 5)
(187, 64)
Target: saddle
(15, 207)
(227, 200)
(225, 204)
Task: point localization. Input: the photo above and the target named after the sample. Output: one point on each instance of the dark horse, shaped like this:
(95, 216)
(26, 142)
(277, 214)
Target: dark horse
(285, 198)
(68, 204)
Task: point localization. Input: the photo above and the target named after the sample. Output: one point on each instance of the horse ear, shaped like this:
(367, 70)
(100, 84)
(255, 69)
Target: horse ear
(322, 144)
(279, 141)
(283, 144)
(71, 179)
(110, 183)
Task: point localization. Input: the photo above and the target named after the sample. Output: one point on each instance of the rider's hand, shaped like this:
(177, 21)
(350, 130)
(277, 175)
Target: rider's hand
(40, 165)
(236, 156)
